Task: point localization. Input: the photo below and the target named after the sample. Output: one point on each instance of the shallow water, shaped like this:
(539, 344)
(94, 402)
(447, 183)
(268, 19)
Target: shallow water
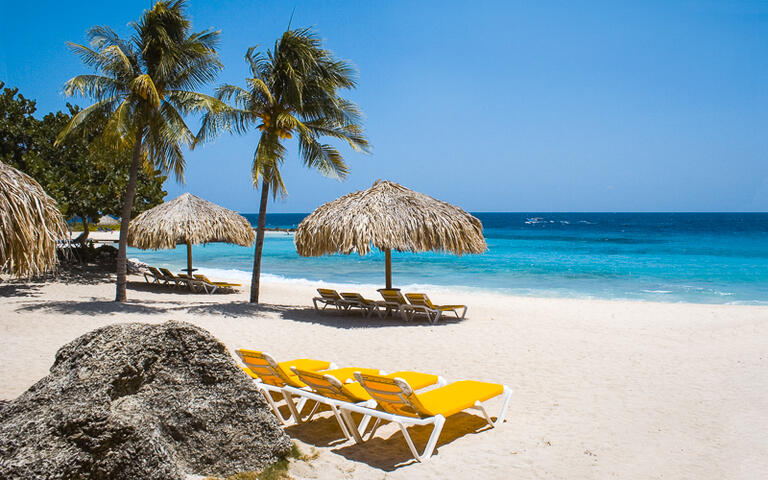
(692, 257)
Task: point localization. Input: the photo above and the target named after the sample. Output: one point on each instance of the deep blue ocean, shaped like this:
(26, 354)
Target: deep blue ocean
(689, 257)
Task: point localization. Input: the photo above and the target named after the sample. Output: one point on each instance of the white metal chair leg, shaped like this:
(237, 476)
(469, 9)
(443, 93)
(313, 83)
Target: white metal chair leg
(431, 443)
(275, 409)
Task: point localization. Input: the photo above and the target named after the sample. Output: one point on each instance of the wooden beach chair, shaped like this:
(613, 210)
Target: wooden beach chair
(211, 287)
(394, 301)
(421, 303)
(399, 404)
(329, 297)
(272, 377)
(367, 307)
(337, 389)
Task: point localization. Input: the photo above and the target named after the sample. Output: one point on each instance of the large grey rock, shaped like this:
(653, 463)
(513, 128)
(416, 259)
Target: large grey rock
(139, 401)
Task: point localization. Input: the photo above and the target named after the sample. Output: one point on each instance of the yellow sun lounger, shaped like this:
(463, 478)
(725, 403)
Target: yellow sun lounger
(367, 307)
(178, 280)
(157, 276)
(398, 403)
(210, 286)
(337, 388)
(394, 301)
(420, 303)
(330, 297)
(271, 377)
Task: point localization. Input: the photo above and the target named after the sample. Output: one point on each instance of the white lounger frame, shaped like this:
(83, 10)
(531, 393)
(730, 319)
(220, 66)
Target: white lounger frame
(437, 423)
(434, 314)
(294, 409)
(341, 412)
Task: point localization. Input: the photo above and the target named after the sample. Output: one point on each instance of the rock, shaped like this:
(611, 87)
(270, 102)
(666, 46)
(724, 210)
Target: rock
(139, 401)
(136, 266)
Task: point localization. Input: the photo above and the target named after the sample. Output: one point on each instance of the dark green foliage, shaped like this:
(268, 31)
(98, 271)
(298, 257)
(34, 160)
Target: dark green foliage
(85, 177)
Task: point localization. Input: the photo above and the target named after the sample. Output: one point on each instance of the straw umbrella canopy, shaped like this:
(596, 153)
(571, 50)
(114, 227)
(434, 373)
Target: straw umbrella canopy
(30, 224)
(389, 217)
(189, 220)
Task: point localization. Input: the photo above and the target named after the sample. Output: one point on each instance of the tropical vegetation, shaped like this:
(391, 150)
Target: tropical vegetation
(142, 89)
(292, 91)
(85, 177)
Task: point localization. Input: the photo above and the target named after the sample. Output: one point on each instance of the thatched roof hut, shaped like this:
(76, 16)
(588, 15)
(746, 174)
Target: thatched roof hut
(189, 220)
(389, 217)
(30, 224)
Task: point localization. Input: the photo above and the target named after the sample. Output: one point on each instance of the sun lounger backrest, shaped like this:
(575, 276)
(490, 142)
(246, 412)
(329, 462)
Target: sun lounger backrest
(263, 365)
(393, 395)
(157, 273)
(325, 385)
(420, 299)
(329, 294)
(354, 297)
(167, 272)
(393, 296)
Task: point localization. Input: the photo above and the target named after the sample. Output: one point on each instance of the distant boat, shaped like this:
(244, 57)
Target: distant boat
(534, 220)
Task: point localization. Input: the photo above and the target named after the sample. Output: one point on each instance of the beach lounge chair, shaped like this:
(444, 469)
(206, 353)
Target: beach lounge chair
(156, 276)
(328, 298)
(337, 389)
(211, 287)
(394, 301)
(421, 303)
(178, 280)
(367, 307)
(399, 404)
(272, 377)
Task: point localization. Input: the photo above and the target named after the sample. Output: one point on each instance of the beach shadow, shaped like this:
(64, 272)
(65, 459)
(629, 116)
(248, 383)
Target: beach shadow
(391, 452)
(160, 288)
(230, 309)
(20, 289)
(345, 320)
(321, 431)
(100, 307)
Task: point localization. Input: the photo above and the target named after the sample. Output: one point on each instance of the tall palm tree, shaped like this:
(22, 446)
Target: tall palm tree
(144, 87)
(292, 90)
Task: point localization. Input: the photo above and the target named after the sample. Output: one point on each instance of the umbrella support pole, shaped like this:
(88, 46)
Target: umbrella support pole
(388, 267)
(189, 259)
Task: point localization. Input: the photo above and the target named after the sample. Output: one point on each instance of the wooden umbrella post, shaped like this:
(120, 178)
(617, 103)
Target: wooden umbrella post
(189, 258)
(388, 268)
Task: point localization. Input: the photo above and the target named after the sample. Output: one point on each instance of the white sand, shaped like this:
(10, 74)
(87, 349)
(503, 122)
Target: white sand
(603, 389)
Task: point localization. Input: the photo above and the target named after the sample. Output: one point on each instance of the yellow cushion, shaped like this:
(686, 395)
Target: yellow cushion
(304, 364)
(416, 380)
(457, 396)
(346, 374)
(356, 392)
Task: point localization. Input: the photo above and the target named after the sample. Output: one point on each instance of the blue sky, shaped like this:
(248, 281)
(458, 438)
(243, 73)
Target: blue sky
(494, 106)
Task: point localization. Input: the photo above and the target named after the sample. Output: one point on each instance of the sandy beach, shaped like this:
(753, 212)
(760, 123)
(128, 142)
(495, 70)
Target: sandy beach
(602, 389)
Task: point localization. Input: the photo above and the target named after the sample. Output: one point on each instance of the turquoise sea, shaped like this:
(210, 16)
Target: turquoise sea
(690, 257)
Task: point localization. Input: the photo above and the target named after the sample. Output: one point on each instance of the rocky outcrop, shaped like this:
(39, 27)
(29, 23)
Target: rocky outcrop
(139, 401)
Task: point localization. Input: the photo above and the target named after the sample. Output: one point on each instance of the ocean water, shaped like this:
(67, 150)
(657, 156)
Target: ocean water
(675, 257)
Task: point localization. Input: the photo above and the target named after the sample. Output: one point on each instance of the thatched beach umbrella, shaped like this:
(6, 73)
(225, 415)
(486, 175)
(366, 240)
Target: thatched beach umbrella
(30, 224)
(188, 220)
(389, 217)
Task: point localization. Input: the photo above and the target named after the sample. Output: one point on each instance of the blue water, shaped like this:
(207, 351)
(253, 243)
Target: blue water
(691, 257)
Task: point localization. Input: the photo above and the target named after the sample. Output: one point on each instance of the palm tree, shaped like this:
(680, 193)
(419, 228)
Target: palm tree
(292, 90)
(144, 87)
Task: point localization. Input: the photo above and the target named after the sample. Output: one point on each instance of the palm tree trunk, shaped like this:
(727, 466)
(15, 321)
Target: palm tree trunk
(130, 193)
(259, 241)
(86, 231)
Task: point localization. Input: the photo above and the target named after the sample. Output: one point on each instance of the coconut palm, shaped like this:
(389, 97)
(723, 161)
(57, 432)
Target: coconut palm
(143, 87)
(292, 91)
